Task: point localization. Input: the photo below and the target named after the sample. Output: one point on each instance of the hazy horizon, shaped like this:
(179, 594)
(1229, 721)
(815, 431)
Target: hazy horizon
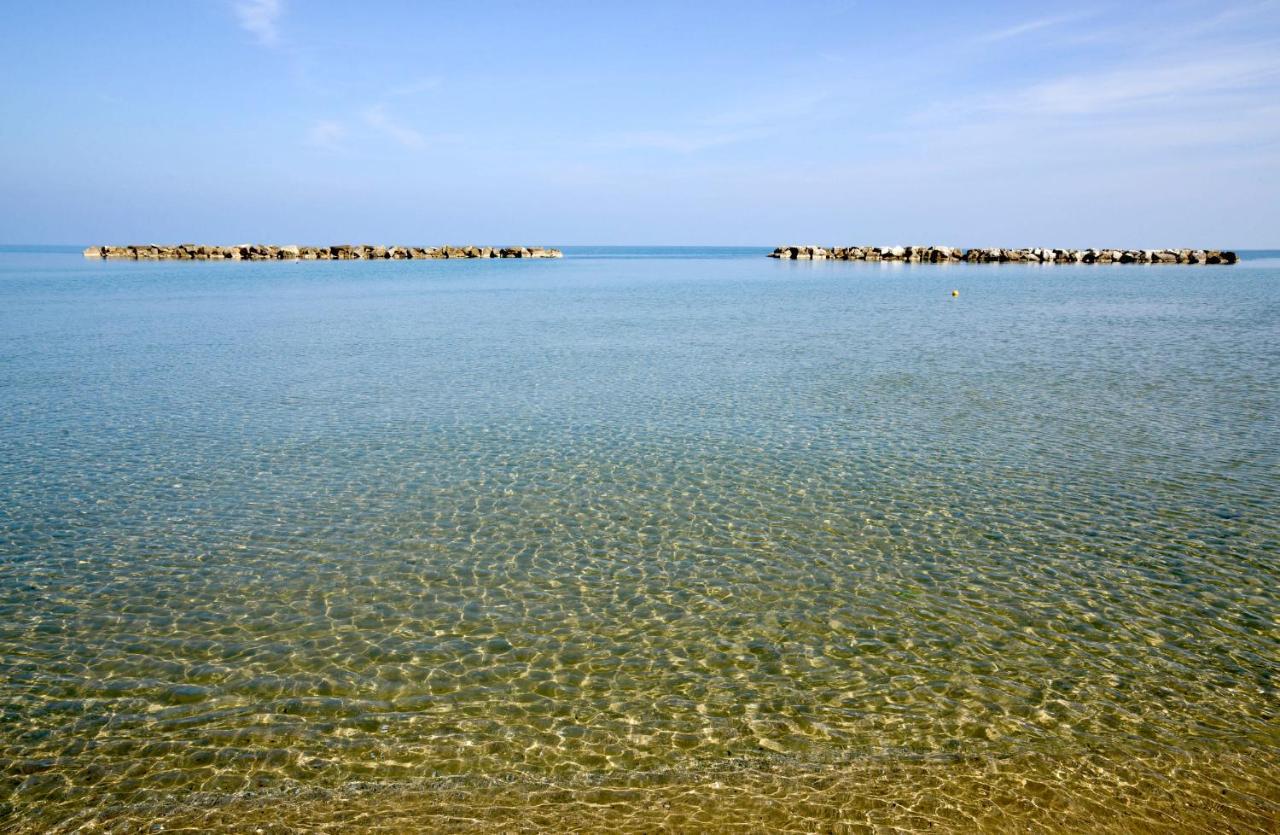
(729, 124)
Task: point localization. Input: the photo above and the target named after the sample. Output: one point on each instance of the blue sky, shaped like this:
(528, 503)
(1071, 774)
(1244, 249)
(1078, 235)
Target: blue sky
(1068, 124)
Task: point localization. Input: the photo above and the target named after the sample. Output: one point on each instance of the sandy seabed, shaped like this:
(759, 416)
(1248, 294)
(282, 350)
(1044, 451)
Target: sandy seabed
(1032, 793)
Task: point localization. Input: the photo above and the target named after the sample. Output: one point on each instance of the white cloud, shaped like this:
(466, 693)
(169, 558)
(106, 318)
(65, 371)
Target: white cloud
(327, 135)
(778, 113)
(677, 141)
(1150, 111)
(1027, 27)
(376, 117)
(1154, 84)
(261, 19)
(413, 88)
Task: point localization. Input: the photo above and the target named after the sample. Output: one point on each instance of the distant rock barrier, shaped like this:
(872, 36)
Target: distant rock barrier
(342, 252)
(939, 254)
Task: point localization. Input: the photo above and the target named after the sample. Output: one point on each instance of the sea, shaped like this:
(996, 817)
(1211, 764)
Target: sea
(643, 539)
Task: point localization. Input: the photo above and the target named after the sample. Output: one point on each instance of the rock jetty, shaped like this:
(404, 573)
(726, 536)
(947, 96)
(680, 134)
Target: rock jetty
(938, 254)
(341, 252)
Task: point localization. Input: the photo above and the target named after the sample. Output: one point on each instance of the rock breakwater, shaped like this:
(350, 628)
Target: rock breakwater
(939, 254)
(341, 252)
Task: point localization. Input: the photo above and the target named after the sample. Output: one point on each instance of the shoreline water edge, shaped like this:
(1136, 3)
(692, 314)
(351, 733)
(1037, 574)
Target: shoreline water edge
(339, 252)
(939, 254)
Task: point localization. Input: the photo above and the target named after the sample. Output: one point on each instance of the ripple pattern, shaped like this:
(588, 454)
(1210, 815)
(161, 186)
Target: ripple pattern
(631, 544)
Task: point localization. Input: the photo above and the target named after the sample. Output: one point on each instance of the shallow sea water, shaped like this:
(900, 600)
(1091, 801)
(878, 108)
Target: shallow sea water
(638, 540)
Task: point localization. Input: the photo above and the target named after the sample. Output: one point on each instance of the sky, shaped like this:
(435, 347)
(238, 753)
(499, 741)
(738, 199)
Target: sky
(1130, 124)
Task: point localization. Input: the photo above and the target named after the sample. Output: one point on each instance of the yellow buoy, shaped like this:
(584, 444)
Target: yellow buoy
(955, 292)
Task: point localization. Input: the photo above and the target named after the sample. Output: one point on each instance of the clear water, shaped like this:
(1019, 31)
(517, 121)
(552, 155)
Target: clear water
(691, 539)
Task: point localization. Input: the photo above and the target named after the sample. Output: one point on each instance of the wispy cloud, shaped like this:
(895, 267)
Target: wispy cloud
(729, 126)
(261, 19)
(413, 88)
(676, 141)
(327, 135)
(1150, 85)
(1143, 110)
(377, 117)
(1028, 27)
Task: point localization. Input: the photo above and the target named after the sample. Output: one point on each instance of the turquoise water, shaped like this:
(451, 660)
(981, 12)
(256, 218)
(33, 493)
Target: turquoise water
(816, 544)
